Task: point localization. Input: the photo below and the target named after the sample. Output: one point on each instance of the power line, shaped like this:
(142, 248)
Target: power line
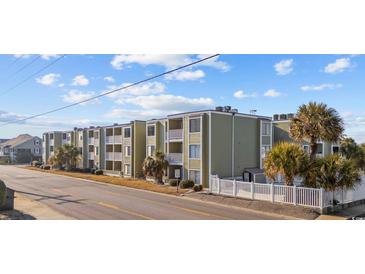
(32, 75)
(26, 65)
(112, 91)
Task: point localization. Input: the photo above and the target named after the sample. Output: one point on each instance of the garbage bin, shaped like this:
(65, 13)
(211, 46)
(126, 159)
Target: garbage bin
(9, 205)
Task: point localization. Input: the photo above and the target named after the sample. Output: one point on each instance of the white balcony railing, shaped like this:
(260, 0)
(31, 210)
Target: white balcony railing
(118, 139)
(91, 155)
(109, 156)
(117, 156)
(175, 134)
(91, 140)
(109, 139)
(174, 158)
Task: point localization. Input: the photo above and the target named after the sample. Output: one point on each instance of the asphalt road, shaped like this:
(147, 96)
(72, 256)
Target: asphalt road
(88, 200)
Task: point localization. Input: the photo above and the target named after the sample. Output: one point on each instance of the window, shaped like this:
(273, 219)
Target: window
(96, 135)
(80, 137)
(64, 136)
(194, 151)
(97, 150)
(51, 148)
(266, 129)
(151, 131)
(127, 169)
(127, 150)
(306, 148)
(194, 175)
(80, 148)
(151, 150)
(51, 136)
(43, 137)
(91, 134)
(127, 132)
(194, 125)
(91, 148)
(335, 149)
(36, 150)
(36, 142)
(264, 151)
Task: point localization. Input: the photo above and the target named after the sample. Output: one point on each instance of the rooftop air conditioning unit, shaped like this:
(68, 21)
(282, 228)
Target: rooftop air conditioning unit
(290, 115)
(234, 110)
(275, 117)
(219, 108)
(283, 117)
(227, 108)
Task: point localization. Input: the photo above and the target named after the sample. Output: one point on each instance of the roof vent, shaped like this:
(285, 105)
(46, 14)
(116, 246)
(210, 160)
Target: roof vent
(253, 111)
(275, 117)
(234, 110)
(283, 117)
(115, 124)
(219, 108)
(290, 115)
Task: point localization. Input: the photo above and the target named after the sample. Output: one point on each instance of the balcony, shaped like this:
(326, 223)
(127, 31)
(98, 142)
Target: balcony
(117, 156)
(91, 155)
(91, 140)
(109, 156)
(118, 139)
(174, 158)
(109, 139)
(175, 134)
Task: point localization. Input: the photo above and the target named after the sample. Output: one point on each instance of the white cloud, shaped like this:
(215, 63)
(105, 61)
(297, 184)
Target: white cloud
(109, 79)
(49, 56)
(240, 94)
(166, 60)
(284, 67)
(25, 56)
(144, 89)
(48, 79)
(321, 87)
(75, 96)
(272, 93)
(168, 102)
(339, 65)
(80, 80)
(186, 75)
(346, 114)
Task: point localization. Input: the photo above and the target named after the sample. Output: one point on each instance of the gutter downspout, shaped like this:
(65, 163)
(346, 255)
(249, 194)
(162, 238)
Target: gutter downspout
(233, 116)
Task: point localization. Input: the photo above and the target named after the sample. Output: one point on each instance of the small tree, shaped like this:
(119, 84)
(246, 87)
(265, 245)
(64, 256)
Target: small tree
(155, 166)
(66, 155)
(314, 122)
(335, 172)
(286, 160)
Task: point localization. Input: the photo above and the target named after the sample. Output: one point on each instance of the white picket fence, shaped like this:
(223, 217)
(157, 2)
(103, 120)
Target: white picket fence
(310, 197)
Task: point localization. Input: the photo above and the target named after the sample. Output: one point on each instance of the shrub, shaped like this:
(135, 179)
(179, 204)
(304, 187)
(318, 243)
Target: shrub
(93, 170)
(47, 167)
(86, 170)
(98, 172)
(36, 163)
(197, 188)
(41, 166)
(186, 184)
(2, 193)
(173, 182)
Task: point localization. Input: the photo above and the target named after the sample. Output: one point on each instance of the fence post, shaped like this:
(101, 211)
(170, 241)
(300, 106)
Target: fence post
(294, 195)
(321, 198)
(234, 187)
(272, 192)
(218, 185)
(252, 191)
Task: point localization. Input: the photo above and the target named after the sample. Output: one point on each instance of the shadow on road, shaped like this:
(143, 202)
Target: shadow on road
(61, 198)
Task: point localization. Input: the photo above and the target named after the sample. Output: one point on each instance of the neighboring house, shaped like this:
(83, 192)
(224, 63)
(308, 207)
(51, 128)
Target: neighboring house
(125, 149)
(281, 124)
(3, 140)
(22, 149)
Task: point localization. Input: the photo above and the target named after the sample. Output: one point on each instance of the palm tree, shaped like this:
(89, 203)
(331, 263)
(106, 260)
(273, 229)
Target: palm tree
(352, 151)
(287, 160)
(155, 166)
(314, 122)
(66, 155)
(335, 172)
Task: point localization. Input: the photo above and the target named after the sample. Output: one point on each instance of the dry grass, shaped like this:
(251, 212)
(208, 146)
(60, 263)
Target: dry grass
(133, 183)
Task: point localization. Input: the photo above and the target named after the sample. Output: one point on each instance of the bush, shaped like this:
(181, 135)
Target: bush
(36, 163)
(186, 184)
(173, 182)
(86, 170)
(98, 172)
(2, 193)
(47, 167)
(197, 188)
(93, 170)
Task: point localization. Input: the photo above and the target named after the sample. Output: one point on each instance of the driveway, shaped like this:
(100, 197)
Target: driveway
(87, 200)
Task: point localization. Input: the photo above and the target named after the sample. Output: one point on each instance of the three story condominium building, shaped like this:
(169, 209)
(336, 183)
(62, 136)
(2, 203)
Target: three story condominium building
(125, 149)
(220, 142)
(50, 142)
(95, 148)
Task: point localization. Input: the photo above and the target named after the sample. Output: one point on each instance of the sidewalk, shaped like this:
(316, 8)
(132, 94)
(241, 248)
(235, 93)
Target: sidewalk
(291, 211)
(27, 209)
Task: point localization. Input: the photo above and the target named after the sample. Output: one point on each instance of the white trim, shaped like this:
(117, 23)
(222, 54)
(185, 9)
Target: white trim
(260, 153)
(201, 149)
(232, 152)
(210, 148)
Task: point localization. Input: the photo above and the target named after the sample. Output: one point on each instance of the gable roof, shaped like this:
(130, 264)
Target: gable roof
(17, 140)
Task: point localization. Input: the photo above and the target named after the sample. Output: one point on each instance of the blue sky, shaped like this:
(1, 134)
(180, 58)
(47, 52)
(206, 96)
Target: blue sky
(268, 83)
